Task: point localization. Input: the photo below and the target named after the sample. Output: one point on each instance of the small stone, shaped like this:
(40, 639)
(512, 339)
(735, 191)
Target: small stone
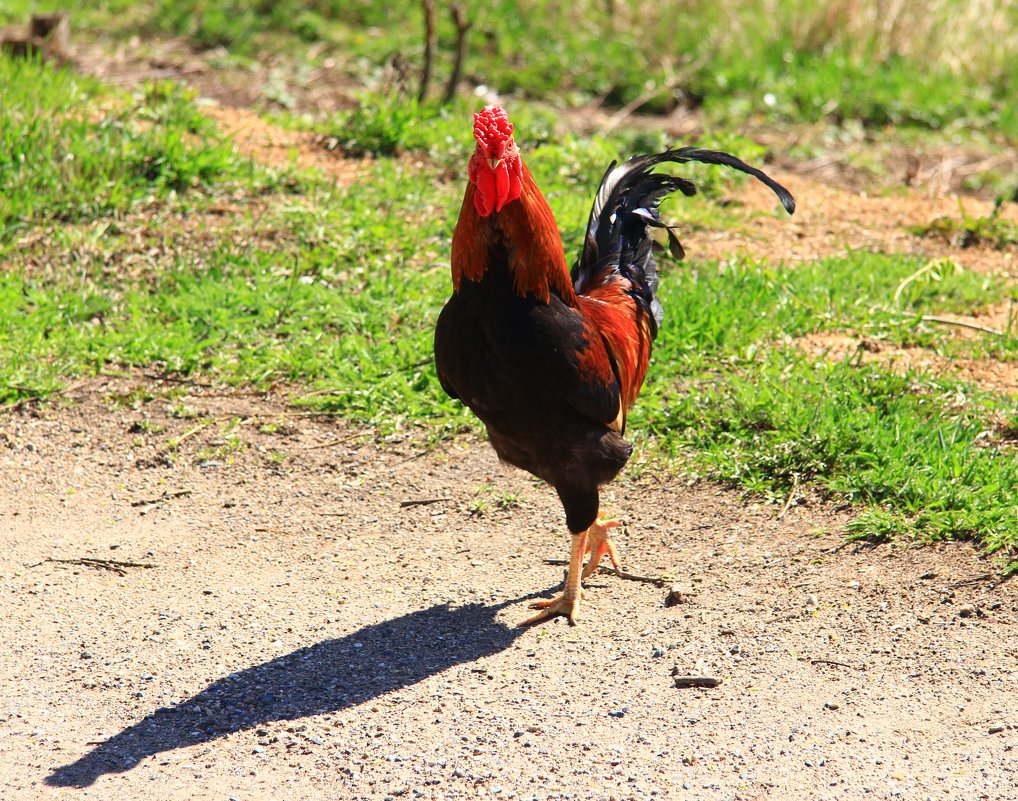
(678, 594)
(831, 705)
(968, 610)
(996, 729)
(86, 655)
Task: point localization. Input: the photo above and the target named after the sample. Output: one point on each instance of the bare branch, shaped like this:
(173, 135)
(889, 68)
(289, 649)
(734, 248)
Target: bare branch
(429, 47)
(463, 25)
(113, 565)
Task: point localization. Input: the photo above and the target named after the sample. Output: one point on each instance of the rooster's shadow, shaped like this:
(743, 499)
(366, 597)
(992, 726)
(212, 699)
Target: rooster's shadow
(326, 677)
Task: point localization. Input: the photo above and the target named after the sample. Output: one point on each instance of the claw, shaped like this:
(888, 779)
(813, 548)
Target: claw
(563, 605)
(599, 544)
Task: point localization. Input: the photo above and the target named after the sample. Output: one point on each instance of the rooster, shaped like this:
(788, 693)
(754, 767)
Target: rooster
(552, 361)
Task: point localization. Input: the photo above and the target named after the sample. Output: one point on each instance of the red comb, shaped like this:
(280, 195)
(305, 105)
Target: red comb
(492, 126)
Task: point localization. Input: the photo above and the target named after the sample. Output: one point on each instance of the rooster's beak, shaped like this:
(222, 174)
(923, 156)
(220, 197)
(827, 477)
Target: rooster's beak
(493, 163)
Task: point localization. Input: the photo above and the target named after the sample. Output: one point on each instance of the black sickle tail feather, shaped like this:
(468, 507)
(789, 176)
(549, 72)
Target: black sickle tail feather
(627, 205)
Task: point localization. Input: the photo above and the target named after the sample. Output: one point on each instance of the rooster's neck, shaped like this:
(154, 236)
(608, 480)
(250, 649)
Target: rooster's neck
(523, 235)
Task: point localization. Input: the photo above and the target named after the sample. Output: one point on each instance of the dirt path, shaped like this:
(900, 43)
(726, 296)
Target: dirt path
(301, 635)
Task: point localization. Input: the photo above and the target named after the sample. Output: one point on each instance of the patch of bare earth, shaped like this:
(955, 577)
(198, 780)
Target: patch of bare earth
(264, 617)
(271, 80)
(279, 147)
(831, 221)
(987, 374)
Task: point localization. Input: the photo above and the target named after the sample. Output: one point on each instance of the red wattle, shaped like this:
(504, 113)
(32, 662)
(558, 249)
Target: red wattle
(494, 189)
(501, 186)
(484, 195)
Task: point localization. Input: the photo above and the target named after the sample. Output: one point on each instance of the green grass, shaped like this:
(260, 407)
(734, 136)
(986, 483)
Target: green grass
(343, 307)
(344, 310)
(72, 150)
(922, 457)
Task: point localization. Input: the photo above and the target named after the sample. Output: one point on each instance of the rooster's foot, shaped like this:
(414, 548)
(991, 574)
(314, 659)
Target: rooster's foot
(599, 544)
(563, 605)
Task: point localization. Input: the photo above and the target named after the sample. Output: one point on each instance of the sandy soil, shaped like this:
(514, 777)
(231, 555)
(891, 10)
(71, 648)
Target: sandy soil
(297, 633)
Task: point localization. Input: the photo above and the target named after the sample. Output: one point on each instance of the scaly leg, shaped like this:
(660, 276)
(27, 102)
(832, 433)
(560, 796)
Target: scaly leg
(599, 544)
(568, 603)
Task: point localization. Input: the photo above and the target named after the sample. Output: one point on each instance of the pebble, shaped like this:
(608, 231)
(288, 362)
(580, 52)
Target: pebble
(968, 610)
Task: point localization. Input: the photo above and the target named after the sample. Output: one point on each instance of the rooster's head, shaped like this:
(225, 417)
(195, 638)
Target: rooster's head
(495, 168)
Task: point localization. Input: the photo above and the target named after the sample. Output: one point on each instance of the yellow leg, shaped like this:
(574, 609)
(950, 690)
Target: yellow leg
(599, 544)
(568, 603)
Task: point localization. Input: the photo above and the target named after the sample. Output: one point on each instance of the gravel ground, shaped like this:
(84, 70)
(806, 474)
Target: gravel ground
(297, 633)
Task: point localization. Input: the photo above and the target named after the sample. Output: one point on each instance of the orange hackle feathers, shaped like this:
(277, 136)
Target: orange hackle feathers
(627, 332)
(536, 257)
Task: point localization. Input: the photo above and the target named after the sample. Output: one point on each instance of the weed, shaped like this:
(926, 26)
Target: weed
(146, 427)
(182, 411)
(226, 447)
(508, 500)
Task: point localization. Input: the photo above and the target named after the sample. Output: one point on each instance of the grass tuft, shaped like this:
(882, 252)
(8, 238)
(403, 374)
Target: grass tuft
(73, 150)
